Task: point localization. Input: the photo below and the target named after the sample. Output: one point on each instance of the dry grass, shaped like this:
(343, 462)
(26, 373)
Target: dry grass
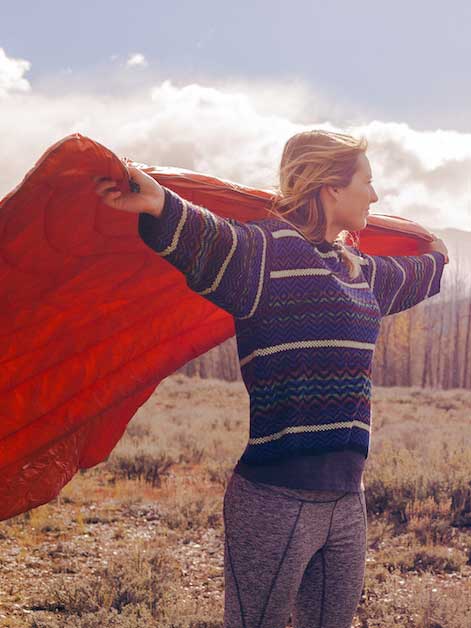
(138, 541)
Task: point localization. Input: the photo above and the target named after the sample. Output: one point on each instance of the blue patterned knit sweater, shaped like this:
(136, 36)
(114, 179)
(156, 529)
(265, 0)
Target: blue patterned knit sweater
(305, 330)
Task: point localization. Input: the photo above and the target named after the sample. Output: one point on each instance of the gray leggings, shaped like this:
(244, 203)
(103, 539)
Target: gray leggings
(292, 553)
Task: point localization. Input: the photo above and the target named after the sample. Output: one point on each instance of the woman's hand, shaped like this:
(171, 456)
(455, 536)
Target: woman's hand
(439, 246)
(150, 198)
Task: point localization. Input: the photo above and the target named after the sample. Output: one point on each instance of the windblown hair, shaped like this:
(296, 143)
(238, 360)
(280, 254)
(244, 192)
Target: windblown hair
(310, 160)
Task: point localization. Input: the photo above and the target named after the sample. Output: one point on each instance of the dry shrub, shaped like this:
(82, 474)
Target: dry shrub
(131, 617)
(132, 585)
(391, 482)
(379, 532)
(134, 590)
(429, 520)
(461, 505)
(431, 558)
(140, 465)
(190, 509)
(423, 489)
(189, 449)
(391, 602)
(438, 611)
(219, 473)
(138, 432)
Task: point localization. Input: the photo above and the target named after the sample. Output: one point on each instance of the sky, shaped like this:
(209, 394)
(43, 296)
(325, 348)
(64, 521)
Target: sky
(219, 87)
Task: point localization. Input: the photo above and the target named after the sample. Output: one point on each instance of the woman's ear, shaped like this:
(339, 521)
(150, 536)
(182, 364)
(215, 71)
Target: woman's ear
(330, 192)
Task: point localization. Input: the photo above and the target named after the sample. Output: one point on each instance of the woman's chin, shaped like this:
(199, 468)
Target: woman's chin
(358, 225)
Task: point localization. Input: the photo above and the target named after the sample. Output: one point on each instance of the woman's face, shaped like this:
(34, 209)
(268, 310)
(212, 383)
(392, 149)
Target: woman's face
(351, 205)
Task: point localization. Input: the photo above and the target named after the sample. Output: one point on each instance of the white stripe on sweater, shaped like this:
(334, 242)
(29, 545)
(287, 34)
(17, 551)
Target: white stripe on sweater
(329, 254)
(307, 344)
(287, 233)
(306, 272)
(433, 273)
(261, 276)
(373, 274)
(299, 272)
(225, 264)
(302, 429)
(361, 285)
(176, 236)
(217, 281)
(291, 233)
(404, 277)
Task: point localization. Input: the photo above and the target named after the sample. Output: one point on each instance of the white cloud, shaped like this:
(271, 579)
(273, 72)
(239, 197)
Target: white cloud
(136, 59)
(11, 74)
(233, 132)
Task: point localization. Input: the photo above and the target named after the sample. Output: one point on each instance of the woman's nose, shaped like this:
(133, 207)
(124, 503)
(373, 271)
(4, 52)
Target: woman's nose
(374, 196)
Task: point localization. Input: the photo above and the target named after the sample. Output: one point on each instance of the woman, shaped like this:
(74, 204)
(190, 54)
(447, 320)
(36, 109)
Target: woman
(307, 312)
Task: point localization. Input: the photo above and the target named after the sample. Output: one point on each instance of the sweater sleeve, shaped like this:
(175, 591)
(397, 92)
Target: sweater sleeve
(399, 283)
(223, 260)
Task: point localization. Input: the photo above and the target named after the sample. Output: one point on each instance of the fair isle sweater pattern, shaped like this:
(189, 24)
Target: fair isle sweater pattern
(305, 330)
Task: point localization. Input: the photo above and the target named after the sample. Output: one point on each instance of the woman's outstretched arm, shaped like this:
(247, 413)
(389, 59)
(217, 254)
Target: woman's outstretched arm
(223, 260)
(400, 282)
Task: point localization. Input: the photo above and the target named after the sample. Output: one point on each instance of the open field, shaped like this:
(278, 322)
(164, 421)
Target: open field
(138, 540)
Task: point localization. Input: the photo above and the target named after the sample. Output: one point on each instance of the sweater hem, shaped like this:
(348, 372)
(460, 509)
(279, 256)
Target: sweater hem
(311, 451)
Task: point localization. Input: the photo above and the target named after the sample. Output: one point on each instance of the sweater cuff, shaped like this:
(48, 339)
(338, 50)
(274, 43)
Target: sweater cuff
(437, 275)
(161, 232)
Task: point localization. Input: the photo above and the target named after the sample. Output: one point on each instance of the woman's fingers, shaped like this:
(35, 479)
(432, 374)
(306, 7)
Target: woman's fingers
(104, 185)
(101, 179)
(143, 195)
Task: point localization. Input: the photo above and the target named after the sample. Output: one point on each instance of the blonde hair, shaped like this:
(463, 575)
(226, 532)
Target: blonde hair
(310, 160)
